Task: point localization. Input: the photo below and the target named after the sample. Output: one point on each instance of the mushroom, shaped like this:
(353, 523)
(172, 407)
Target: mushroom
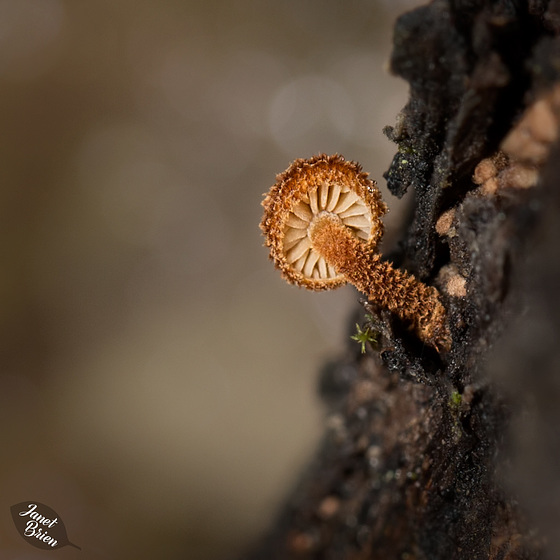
(322, 222)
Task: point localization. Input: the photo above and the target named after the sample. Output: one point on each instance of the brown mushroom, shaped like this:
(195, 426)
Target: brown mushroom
(322, 222)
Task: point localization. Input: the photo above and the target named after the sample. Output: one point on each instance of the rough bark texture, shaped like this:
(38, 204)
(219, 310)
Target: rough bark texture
(453, 455)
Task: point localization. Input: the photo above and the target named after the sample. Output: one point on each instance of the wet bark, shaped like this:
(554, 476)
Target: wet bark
(453, 455)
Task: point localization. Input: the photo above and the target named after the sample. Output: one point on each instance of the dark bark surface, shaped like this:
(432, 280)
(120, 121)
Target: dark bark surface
(453, 455)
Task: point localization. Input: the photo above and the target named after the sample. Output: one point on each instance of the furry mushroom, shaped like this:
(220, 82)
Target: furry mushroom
(322, 222)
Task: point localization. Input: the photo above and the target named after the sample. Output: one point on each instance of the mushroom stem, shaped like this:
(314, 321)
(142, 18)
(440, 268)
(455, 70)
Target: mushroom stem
(400, 292)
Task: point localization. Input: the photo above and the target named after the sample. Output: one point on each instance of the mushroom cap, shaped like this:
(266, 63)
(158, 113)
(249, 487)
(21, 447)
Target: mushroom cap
(310, 188)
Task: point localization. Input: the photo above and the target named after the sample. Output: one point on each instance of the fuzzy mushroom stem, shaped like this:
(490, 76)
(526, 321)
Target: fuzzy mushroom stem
(400, 292)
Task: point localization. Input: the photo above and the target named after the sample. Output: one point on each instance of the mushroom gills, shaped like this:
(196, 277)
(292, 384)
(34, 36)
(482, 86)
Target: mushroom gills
(331, 197)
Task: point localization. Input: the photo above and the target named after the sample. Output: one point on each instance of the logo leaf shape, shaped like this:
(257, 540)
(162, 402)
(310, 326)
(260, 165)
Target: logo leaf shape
(40, 525)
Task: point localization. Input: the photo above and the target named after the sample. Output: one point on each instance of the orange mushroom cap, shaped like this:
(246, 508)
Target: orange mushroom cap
(310, 189)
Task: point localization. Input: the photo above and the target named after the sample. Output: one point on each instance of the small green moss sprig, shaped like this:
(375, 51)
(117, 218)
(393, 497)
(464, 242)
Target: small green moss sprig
(455, 400)
(365, 335)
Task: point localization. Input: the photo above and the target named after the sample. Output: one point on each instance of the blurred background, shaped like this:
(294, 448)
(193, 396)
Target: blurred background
(158, 378)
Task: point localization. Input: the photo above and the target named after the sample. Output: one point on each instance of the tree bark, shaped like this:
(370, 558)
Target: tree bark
(455, 455)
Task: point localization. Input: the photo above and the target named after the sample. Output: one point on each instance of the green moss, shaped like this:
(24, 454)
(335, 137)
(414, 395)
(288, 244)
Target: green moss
(455, 400)
(364, 335)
